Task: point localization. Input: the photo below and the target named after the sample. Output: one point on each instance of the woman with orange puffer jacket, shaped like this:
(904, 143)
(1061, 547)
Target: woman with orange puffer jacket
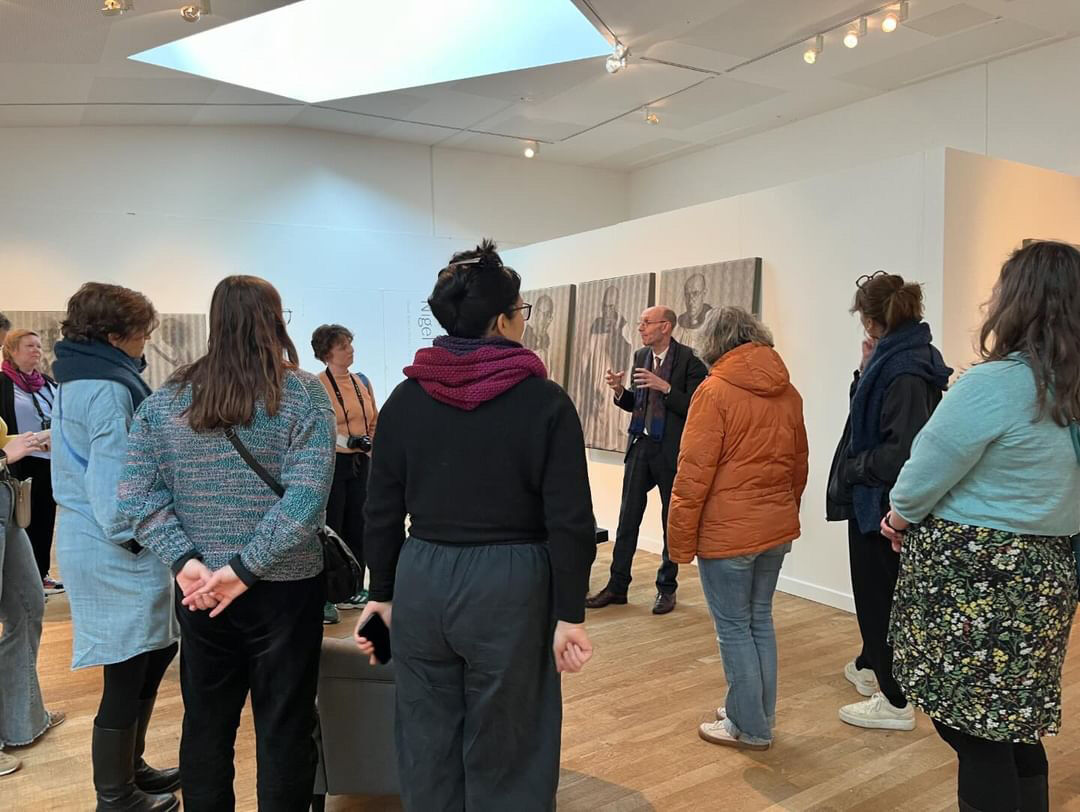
(735, 506)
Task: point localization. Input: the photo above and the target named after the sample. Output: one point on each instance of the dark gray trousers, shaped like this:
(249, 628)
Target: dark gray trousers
(479, 702)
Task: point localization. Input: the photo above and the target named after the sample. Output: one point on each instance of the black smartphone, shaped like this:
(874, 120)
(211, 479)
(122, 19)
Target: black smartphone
(376, 631)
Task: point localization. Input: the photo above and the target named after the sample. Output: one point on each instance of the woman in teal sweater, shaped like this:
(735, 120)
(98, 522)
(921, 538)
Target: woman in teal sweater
(988, 583)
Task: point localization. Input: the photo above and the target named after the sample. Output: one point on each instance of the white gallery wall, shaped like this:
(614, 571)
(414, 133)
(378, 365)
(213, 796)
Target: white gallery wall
(816, 237)
(1017, 108)
(992, 206)
(350, 229)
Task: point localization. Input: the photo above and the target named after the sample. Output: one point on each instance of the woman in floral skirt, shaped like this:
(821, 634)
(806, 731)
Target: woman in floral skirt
(982, 513)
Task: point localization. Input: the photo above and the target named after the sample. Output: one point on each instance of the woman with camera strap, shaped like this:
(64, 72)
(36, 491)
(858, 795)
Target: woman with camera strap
(355, 412)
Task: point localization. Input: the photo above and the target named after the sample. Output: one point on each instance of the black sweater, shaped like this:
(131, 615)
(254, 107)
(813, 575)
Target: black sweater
(512, 470)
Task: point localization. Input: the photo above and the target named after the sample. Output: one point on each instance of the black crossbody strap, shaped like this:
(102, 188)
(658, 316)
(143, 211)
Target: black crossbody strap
(253, 464)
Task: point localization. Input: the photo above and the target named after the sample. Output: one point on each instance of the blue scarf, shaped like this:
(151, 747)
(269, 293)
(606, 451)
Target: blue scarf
(98, 361)
(905, 351)
(645, 398)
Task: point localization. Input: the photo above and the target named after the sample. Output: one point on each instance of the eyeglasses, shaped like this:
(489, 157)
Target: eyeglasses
(644, 323)
(866, 277)
(525, 307)
(287, 315)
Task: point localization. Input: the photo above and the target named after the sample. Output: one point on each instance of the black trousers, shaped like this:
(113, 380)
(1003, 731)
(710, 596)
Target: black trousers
(345, 507)
(42, 509)
(128, 683)
(998, 776)
(645, 468)
(479, 702)
(874, 570)
(268, 642)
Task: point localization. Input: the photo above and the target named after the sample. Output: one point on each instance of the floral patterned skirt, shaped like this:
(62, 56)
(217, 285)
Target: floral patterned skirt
(980, 622)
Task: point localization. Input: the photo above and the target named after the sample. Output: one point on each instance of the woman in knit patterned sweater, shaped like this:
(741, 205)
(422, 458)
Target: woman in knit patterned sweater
(248, 564)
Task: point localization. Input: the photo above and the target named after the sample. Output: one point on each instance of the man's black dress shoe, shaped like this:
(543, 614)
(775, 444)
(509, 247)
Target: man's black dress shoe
(663, 604)
(603, 598)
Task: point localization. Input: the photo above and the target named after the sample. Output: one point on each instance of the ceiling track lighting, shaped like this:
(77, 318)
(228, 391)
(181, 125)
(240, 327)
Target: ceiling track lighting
(811, 54)
(113, 8)
(893, 19)
(855, 33)
(193, 12)
(651, 117)
(532, 149)
(617, 61)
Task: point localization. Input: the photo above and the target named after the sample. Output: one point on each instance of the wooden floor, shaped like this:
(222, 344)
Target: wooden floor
(630, 732)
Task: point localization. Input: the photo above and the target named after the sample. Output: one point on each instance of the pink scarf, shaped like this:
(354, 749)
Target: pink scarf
(28, 383)
(465, 373)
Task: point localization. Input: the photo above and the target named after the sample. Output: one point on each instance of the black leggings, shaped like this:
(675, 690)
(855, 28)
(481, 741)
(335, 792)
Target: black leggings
(128, 683)
(990, 772)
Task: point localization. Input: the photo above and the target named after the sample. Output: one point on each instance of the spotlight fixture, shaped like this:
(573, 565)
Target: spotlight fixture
(193, 12)
(810, 55)
(112, 8)
(617, 61)
(532, 149)
(851, 38)
(651, 117)
(894, 18)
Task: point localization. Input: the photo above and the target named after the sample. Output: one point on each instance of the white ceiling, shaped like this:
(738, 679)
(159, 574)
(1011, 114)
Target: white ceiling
(712, 70)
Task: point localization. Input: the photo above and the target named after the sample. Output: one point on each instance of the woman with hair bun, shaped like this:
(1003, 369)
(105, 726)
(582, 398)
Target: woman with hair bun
(486, 457)
(894, 391)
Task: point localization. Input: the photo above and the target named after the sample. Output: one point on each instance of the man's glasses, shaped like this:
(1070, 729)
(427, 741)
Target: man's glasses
(527, 308)
(287, 315)
(644, 323)
(866, 277)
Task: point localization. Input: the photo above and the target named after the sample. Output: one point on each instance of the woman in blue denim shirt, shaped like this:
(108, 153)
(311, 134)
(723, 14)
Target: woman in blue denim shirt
(120, 594)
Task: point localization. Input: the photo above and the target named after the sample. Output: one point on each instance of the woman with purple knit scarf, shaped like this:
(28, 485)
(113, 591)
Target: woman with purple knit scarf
(487, 459)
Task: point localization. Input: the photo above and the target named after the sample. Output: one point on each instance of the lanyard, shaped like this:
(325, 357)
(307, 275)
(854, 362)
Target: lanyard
(341, 400)
(37, 406)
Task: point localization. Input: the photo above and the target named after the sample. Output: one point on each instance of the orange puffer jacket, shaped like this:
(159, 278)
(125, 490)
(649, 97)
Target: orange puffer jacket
(742, 461)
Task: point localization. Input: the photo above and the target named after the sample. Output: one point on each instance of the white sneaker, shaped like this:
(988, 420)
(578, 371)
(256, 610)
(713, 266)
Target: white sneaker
(878, 712)
(864, 679)
(716, 733)
(8, 763)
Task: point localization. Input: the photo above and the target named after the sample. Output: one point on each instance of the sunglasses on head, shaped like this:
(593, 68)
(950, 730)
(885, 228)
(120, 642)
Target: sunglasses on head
(866, 277)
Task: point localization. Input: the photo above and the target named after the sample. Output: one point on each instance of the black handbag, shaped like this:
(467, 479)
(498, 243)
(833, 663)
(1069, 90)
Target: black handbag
(343, 576)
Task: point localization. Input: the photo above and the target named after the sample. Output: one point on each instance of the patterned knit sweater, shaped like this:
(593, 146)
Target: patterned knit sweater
(193, 493)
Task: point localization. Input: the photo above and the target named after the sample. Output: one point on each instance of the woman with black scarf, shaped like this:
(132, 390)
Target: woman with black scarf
(896, 388)
(121, 595)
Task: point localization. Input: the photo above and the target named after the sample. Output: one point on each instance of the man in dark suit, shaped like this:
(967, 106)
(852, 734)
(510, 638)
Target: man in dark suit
(666, 373)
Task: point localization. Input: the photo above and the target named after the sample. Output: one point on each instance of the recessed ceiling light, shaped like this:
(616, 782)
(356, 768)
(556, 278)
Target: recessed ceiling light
(532, 149)
(193, 12)
(317, 50)
(112, 8)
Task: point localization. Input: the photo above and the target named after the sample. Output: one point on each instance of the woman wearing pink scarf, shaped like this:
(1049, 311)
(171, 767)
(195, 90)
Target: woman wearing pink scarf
(26, 403)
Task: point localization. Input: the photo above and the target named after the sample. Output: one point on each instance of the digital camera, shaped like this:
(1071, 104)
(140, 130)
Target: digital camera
(362, 442)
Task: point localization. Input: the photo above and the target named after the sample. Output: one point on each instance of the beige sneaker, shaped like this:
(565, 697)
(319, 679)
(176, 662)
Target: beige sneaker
(716, 733)
(8, 763)
(877, 712)
(864, 679)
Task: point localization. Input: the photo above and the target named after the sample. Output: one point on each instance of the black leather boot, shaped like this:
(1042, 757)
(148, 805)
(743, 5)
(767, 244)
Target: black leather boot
(113, 756)
(146, 777)
(1035, 794)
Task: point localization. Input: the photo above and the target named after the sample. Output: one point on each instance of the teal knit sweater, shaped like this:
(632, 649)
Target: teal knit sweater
(193, 493)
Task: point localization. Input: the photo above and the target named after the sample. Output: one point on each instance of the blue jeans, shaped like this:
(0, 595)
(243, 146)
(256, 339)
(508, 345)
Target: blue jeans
(739, 592)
